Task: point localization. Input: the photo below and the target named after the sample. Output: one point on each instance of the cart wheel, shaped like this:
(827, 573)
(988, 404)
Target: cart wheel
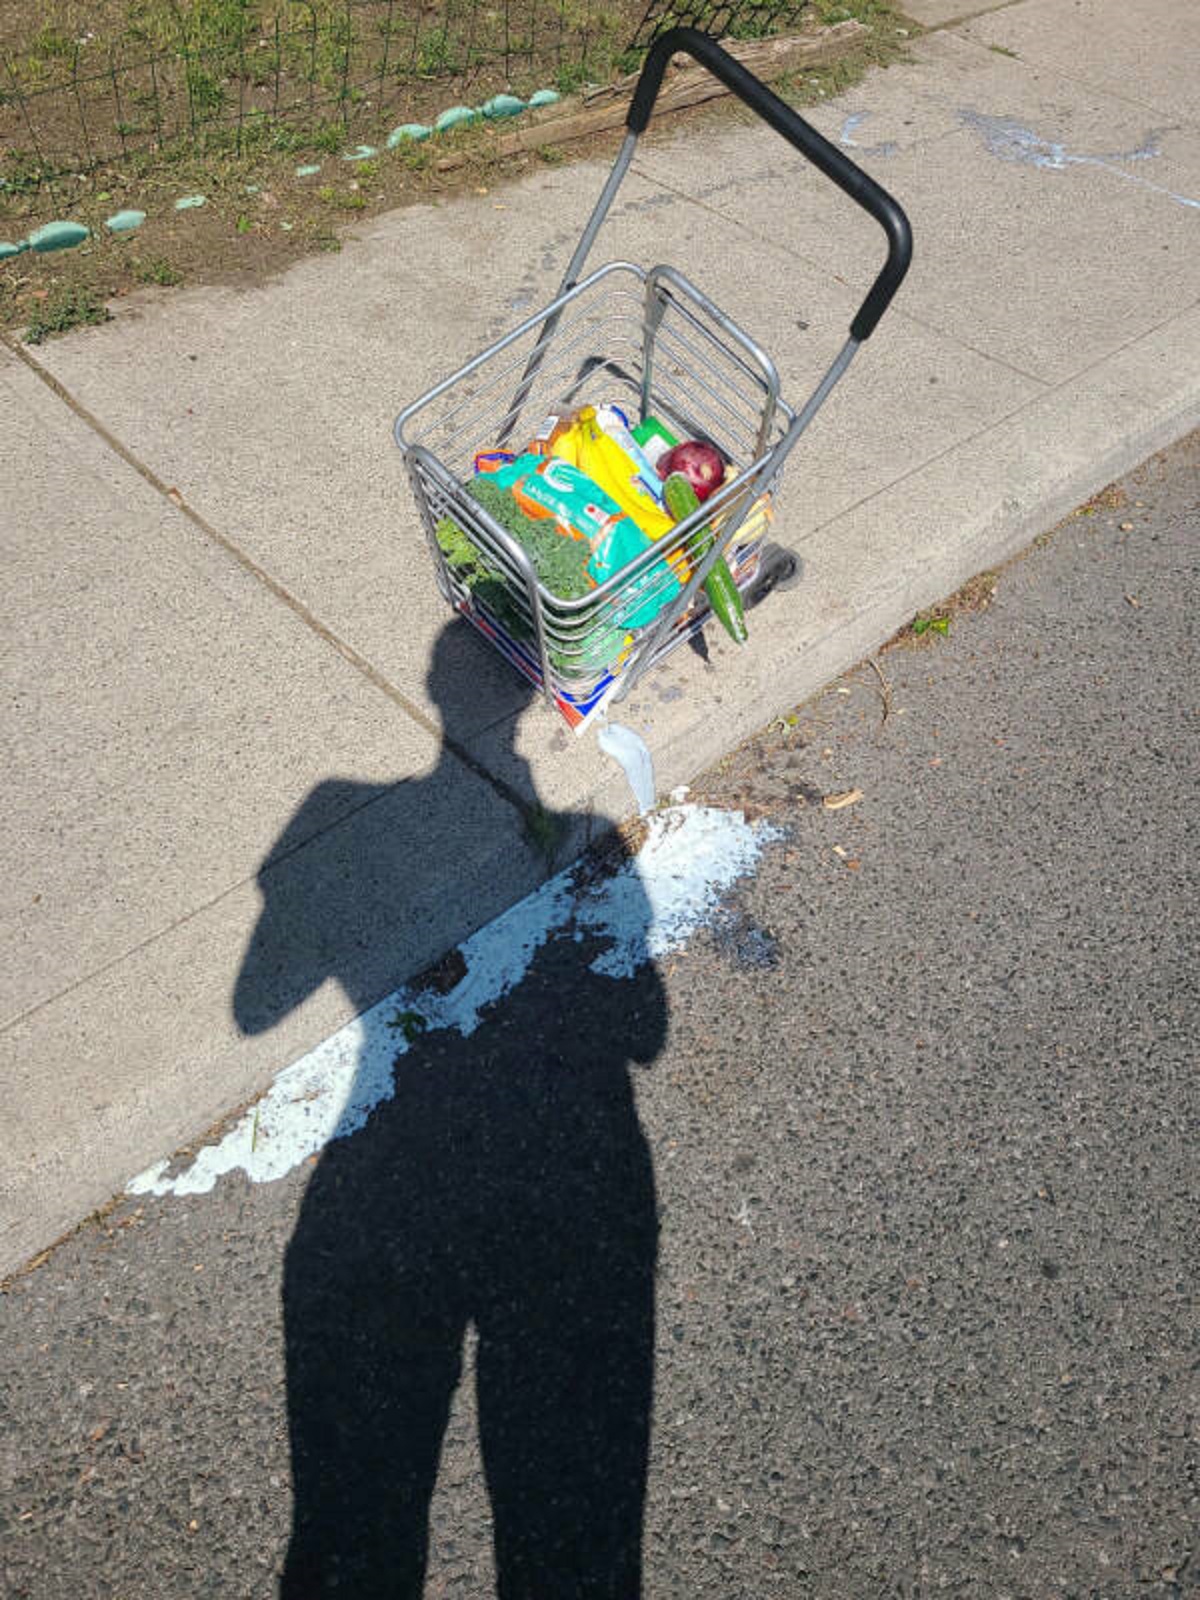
(778, 568)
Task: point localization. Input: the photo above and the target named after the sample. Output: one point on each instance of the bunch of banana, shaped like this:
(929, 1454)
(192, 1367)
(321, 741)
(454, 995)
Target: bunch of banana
(586, 446)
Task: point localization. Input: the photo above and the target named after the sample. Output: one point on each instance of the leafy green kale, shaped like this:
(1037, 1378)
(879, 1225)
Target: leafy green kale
(560, 562)
(561, 566)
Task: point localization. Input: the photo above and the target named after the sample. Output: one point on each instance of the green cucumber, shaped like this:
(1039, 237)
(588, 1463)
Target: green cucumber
(726, 600)
(681, 500)
(679, 497)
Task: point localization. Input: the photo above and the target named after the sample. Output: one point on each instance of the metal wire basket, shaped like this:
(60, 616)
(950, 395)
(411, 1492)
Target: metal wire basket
(650, 342)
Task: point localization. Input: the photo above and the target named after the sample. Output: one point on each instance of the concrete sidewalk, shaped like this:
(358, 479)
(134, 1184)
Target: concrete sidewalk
(224, 618)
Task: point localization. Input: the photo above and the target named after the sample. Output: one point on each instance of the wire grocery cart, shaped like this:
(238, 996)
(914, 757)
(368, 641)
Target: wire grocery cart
(650, 342)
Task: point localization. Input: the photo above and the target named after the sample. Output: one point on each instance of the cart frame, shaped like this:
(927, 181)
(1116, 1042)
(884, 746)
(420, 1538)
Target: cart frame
(585, 653)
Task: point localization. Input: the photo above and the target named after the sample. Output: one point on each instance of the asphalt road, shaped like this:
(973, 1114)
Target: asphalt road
(875, 1273)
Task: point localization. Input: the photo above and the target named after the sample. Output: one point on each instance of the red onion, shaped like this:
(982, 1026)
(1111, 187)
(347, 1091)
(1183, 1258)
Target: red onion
(700, 463)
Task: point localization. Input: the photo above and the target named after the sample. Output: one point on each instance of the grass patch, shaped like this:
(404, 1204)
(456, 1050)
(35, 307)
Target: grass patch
(890, 33)
(71, 306)
(157, 270)
(570, 79)
(351, 198)
(975, 595)
(545, 830)
(410, 1023)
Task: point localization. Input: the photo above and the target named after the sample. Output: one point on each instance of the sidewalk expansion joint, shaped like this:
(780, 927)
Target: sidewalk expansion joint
(969, 16)
(928, 325)
(997, 422)
(190, 916)
(763, 237)
(1090, 85)
(279, 591)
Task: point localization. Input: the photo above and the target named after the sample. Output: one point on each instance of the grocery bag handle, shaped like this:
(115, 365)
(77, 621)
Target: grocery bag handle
(826, 157)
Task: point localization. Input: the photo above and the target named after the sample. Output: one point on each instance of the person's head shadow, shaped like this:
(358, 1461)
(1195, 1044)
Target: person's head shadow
(351, 857)
(505, 1184)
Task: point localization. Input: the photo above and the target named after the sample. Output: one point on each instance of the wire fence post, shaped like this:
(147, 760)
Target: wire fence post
(83, 127)
(241, 109)
(278, 70)
(468, 60)
(156, 101)
(187, 83)
(387, 46)
(347, 44)
(312, 60)
(116, 89)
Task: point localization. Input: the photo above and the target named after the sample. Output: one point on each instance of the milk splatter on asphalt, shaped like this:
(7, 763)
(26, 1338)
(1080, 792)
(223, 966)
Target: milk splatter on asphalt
(691, 857)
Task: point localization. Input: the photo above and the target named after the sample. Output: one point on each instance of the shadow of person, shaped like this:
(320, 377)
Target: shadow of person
(506, 1185)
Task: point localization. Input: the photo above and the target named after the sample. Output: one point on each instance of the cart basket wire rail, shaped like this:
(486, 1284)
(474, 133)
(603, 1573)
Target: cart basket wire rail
(653, 344)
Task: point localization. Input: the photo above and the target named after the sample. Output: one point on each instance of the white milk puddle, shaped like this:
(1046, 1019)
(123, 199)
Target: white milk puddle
(692, 856)
(1009, 141)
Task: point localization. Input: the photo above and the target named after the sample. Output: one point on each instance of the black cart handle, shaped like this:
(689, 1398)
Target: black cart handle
(826, 157)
